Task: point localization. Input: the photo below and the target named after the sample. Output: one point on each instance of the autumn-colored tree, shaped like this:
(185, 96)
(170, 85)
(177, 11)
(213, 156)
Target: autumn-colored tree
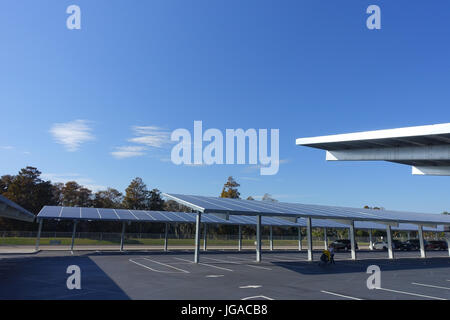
(230, 189)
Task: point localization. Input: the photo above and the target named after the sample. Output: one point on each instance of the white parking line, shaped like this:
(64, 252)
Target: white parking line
(248, 265)
(251, 286)
(257, 298)
(147, 267)
(205, 264)
(290, 258)
(215, 275)
(429, 285)
(340, 295)
(411, 294)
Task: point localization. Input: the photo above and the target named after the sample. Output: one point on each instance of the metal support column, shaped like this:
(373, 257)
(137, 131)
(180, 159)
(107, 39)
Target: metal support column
(258, 238)
(447, 237)
(240, 238)
(422, 244)
(166, 237)
(325, 238)
(389, 242)
(38, 239)
(370, 240)
(409, 235)
(300, 239)
(205, 236)
(198, 220)
(73, 234)
(122, 237)
(352, 239)
(309, 237)
(271, 239)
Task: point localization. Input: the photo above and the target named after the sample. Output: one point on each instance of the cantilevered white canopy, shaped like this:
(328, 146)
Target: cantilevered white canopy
(425, 148)
(9, 209)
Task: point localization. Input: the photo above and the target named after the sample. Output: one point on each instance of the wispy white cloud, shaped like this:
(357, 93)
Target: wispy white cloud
(150, 136)
(6, 147)
(80, 179)
(72, 134)
(128, 152)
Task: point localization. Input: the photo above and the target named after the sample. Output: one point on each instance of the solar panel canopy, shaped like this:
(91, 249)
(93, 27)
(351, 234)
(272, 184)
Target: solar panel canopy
(296, 210)
(12, 210)
(102, 214)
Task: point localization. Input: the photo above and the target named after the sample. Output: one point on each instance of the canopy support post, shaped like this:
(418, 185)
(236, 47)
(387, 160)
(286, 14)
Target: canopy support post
(240, 238)
(325, 238)
(389, 239)
(38, 239)
(258, 238)
(73, 234)
(370, 240)
(309, 238)
(205, 230)
(300, 239)
(352, 239)
(421, 241)
(166, 237)
(122, 237)
(271, 239)
(198, 220)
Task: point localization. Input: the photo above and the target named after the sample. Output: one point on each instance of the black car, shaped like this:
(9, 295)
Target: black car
(396, 244)
(342, 244)
(437, 245)
(413, 244)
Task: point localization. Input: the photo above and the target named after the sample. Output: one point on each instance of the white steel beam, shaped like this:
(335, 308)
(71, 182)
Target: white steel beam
(431, 171)
(433, 152)
(325, 238)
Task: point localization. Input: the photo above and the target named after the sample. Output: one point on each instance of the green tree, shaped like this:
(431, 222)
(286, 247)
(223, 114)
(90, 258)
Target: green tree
(250, 198)
(230, 189)
(28, 190)
(109, 198)
(136, 195)
(268, 197)
(74, 195)
(155, 201)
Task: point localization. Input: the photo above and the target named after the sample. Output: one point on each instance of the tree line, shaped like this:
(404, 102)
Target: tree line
(30, 191)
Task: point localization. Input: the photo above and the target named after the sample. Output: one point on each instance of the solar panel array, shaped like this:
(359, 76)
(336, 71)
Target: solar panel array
(99, 214)
(252, 207)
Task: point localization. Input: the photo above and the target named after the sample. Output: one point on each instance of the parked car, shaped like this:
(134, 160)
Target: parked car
(382, 245)
(343, 244)
(412, 244)
(437, 245)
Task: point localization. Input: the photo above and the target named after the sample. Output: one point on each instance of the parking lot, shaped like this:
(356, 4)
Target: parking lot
(222, 275)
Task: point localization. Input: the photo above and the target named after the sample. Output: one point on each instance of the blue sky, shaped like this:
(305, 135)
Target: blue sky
(305, 67)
